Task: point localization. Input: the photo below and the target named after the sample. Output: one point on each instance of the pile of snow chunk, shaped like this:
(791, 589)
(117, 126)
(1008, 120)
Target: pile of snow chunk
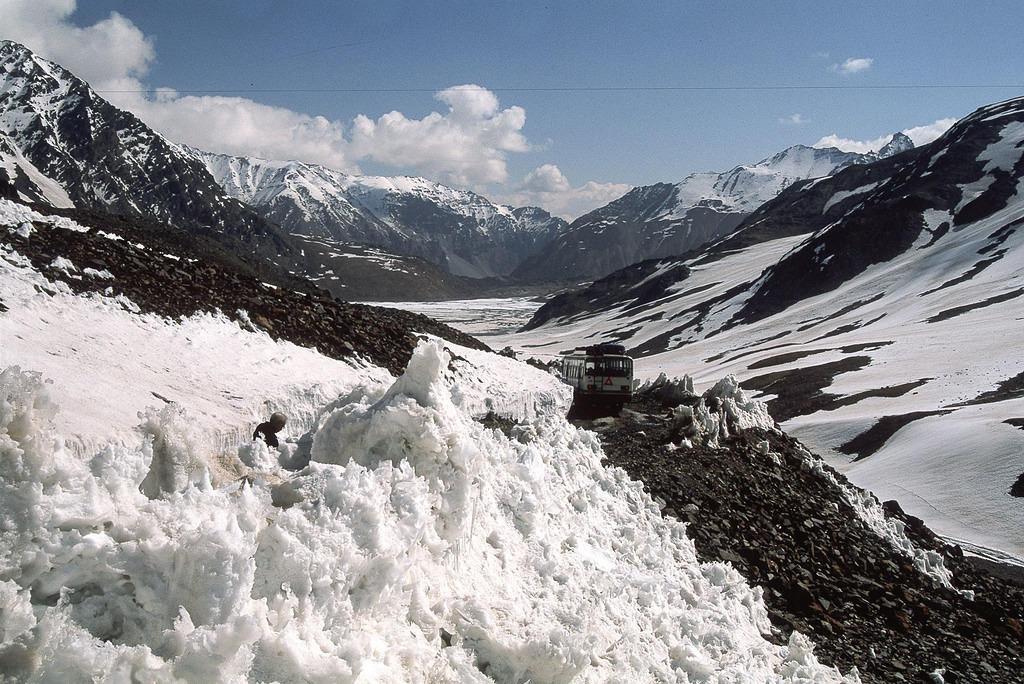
(670, 392)
(723, 410)
(428, 548)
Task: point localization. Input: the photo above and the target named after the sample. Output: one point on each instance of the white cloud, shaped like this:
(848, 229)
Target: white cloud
(921, 135)
(110, 50)
(853, 66)
(848, 145)
(546, 178)
(793, 120)
(467, 145)
(238, 126)
(547, 187)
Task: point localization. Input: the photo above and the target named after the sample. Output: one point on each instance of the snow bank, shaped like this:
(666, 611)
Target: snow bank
(419, 545)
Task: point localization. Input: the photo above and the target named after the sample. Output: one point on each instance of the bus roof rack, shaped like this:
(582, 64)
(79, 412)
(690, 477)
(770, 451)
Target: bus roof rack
(605, 348)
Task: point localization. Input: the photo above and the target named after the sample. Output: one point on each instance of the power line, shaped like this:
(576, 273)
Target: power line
(592, 89)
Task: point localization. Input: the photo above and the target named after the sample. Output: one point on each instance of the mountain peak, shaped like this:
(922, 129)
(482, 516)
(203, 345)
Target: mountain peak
(900, 142)
(107, 159)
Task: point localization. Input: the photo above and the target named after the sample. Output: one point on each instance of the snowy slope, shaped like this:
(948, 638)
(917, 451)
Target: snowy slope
(881, 304)
(418, 546)
(457, 229)
(669, 219)
(26, 182)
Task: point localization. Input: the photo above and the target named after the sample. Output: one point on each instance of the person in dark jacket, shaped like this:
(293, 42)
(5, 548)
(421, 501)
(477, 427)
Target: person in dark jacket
(268, 431)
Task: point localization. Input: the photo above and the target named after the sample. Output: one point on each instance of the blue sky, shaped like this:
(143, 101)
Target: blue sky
(575, 102)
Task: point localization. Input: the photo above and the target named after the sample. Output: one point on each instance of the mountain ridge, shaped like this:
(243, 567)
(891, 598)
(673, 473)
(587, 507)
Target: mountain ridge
(666, 219)
(456, 229)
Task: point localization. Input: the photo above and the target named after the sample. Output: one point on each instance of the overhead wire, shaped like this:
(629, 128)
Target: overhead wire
(589, 89)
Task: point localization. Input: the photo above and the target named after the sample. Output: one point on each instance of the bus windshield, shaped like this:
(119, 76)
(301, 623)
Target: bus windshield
(610, 367)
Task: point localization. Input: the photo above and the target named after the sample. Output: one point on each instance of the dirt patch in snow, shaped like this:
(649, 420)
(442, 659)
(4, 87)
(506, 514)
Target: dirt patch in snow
(798, 391)
(1011, 388)
(789, 357)
(870, 441)
(967, 308)
(842, 312)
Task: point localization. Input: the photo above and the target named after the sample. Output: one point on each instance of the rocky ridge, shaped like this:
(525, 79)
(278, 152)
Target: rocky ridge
(163, 273)
(754, 499)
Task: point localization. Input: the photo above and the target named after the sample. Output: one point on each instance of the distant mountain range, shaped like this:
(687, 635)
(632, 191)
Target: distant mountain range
(459, 230)
(665, 219)
(62, 144)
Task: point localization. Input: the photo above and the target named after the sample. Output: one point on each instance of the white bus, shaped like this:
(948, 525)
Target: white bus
(601, 375)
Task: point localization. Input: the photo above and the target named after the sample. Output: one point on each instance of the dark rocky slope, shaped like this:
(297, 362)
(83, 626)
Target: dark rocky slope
(358, 272)
(823, 571)
(639, 284)
(174, 274)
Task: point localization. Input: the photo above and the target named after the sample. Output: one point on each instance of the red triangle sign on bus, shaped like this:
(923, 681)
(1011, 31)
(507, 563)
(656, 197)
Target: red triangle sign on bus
(607, 381)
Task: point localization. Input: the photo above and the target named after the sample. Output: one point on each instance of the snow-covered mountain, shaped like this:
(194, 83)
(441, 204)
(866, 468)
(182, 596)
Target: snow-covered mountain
(106, 158)
(879, 308)
(459, 230)
(666, 219)
(63, 145)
